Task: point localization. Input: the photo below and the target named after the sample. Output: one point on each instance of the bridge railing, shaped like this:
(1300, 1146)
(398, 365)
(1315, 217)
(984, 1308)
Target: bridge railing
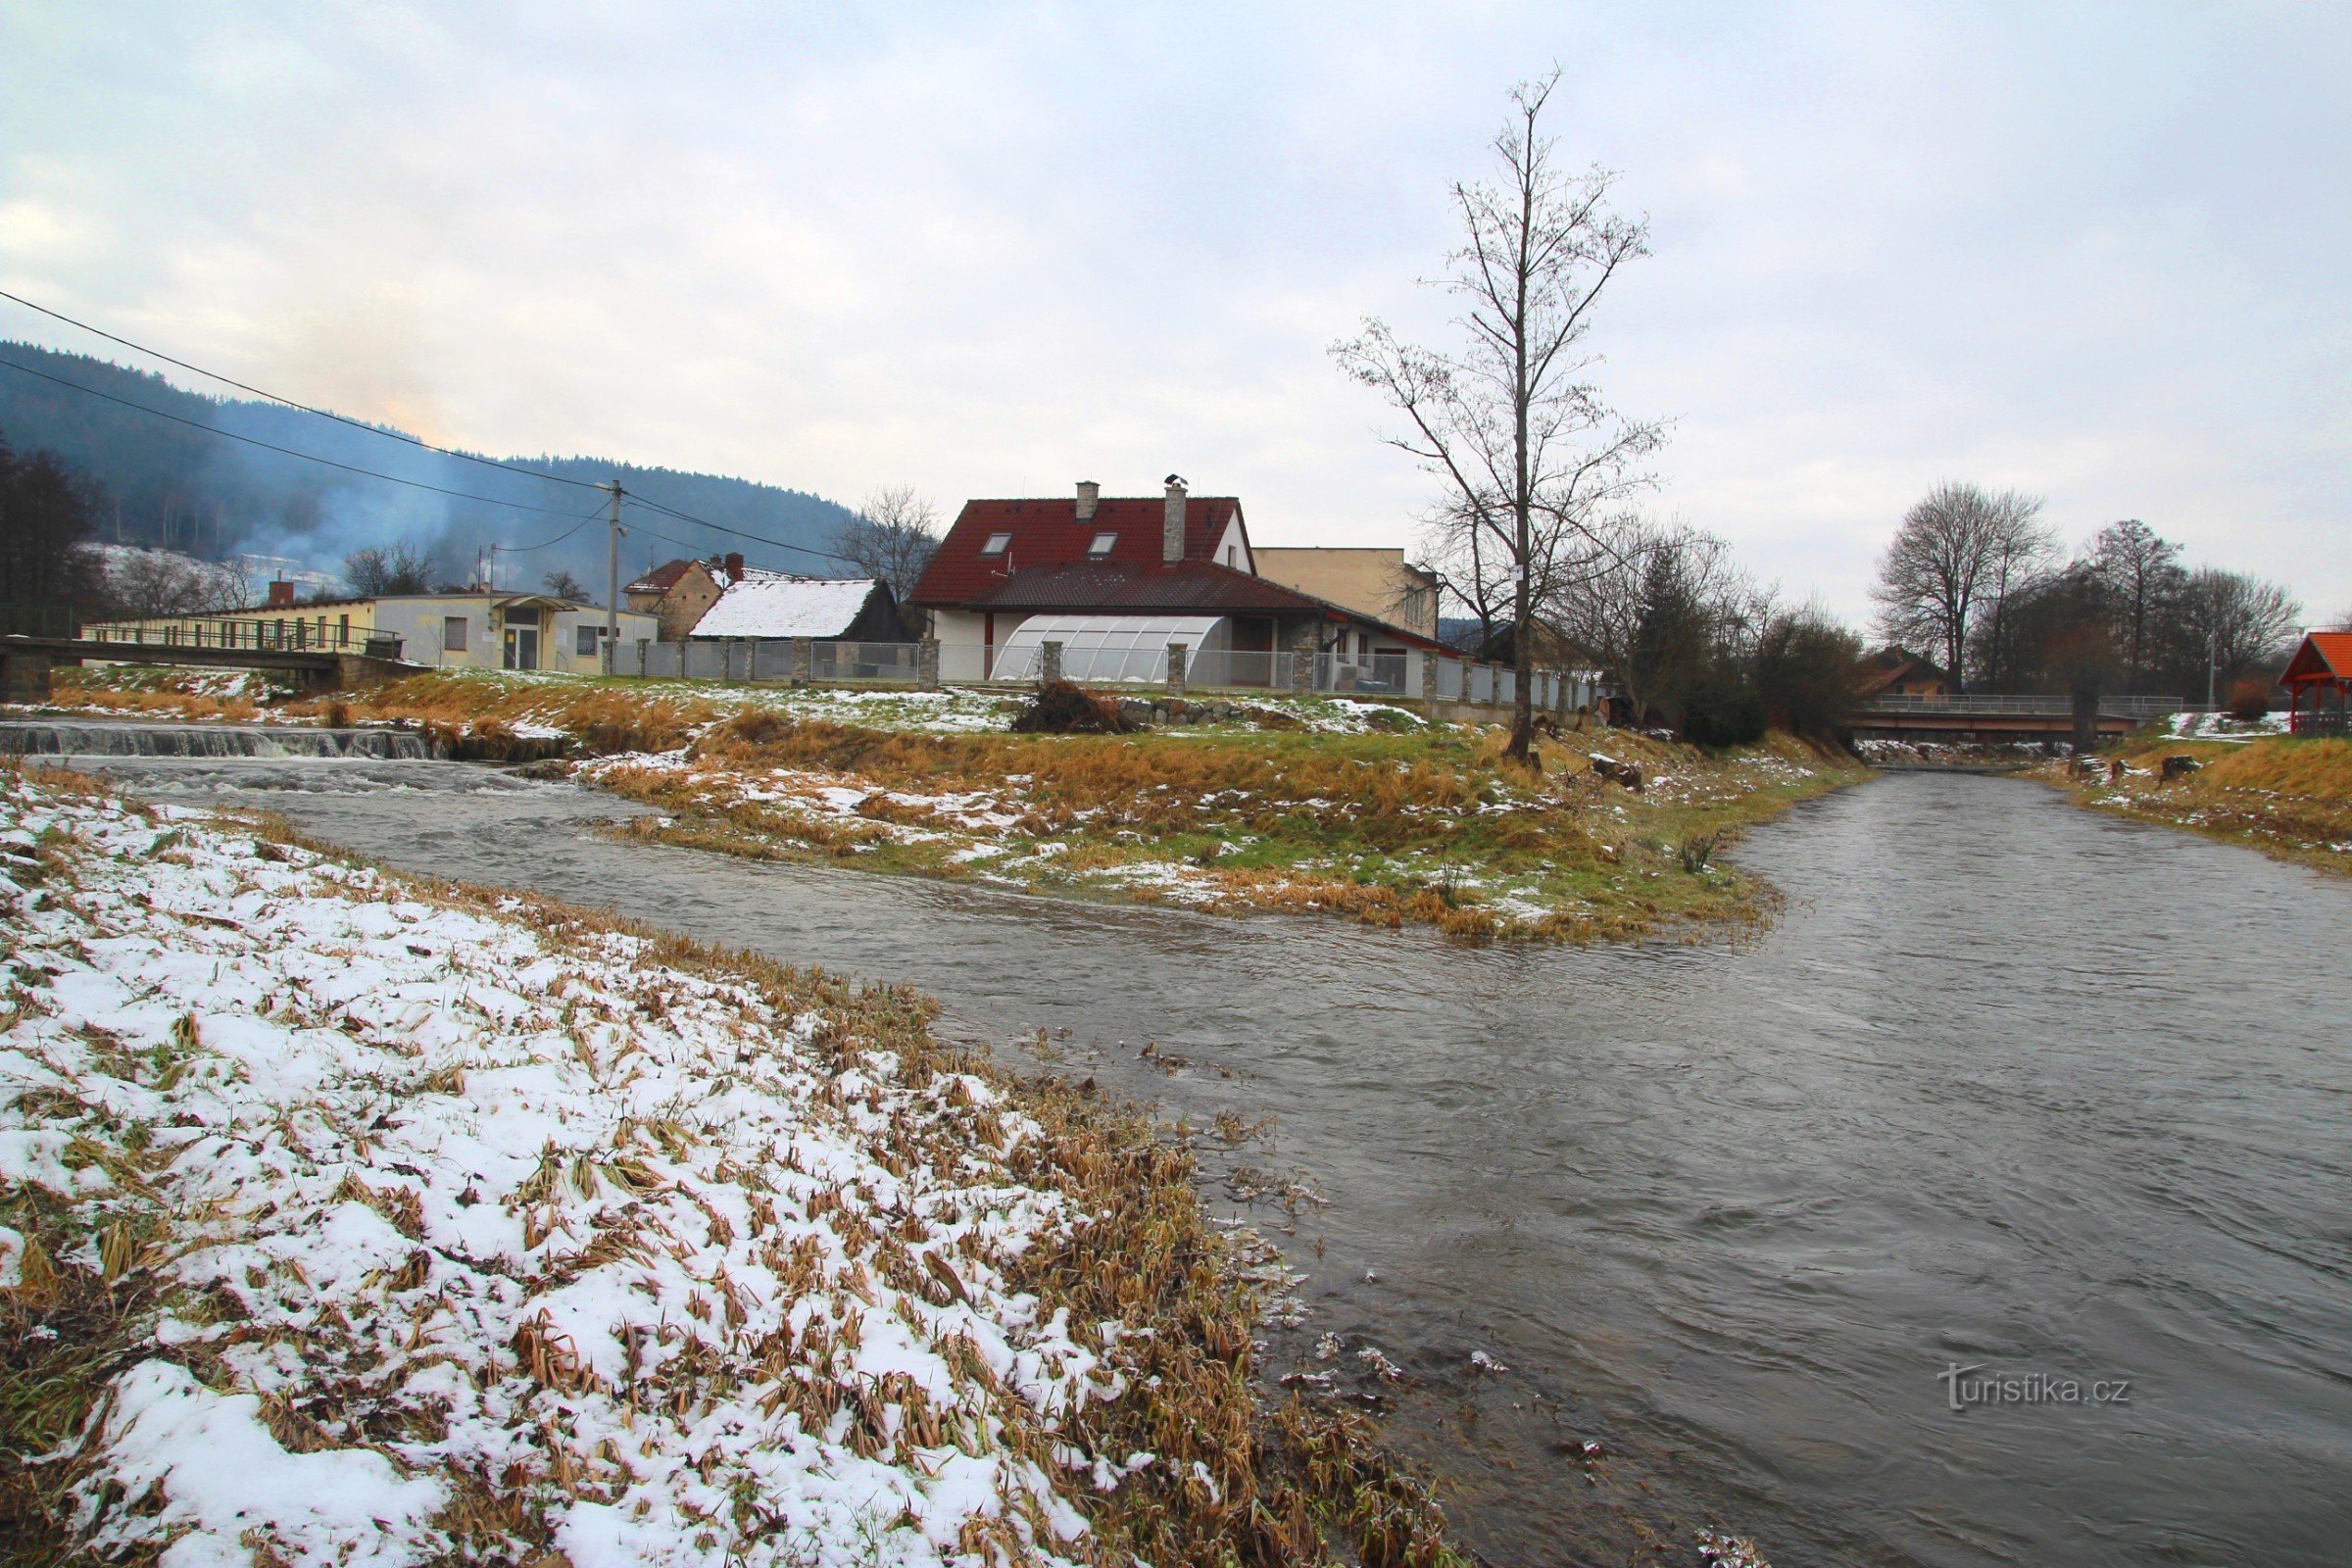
(2020, 705)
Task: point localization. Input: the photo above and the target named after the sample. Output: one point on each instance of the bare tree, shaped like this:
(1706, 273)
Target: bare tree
(2141, 576)
(401, 570)
(1958, 545)
(1535, 466)
(163, 582)
(1616, 612)
(891, 537)
(2235, 625)
(560, 584)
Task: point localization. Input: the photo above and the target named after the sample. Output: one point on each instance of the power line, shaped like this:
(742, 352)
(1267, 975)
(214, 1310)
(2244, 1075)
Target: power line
(252, 441)
(633, 499)
(323, 413)
(545, 544)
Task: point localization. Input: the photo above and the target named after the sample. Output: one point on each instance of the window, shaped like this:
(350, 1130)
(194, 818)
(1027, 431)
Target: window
(998, 544)
(453, 634)
(343, 631)
(1101, 545)
(1232, 557)
(584, 644)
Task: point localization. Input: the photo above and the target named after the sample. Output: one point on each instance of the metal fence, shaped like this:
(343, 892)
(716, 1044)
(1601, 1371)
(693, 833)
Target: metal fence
(314, 634)
(769, 659)
(37, 620)
(2037, 705)
(2318, 721)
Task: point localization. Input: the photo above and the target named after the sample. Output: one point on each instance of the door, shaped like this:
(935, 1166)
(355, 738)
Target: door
(522, 648)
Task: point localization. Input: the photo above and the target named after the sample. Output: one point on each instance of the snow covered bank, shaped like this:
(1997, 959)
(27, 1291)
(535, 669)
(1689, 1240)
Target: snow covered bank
(410, 1225)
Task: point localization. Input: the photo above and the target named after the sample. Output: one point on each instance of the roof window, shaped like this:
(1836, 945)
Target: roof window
(998, 544)
(1101, 545)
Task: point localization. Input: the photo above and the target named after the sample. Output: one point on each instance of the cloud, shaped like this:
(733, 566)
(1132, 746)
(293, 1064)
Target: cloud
(2094, 254)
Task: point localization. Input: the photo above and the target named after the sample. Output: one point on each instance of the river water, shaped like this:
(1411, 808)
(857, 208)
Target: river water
(2011, 1087)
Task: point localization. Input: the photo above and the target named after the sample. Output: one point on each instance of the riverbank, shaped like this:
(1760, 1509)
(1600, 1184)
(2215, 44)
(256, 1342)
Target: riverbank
(353, 1217)
(2289, 798)
(1360, 809)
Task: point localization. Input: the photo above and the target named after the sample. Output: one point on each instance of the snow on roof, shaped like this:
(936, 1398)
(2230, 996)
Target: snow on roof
(769, 604)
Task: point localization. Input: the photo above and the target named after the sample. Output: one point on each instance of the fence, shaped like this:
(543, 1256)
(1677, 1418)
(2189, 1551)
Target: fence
(37, 620)
(2023, 705)
(1414, 673)
(749, 658)
(2318, 721)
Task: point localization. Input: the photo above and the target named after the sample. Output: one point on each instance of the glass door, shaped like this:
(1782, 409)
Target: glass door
(522, 648)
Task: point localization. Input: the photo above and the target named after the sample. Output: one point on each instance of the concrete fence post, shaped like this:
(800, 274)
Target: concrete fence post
(1302, 659)
(926, 663)
(641, 658)
(750, 660)
(1175, 669)
(804, 660)
(1048, 663)
(1429, 680)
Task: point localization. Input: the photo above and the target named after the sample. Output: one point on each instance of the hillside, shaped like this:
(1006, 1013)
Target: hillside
(170, 484)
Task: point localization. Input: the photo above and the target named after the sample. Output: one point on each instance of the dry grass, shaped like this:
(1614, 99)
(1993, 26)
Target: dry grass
(2289, 798)
(1300, 1485)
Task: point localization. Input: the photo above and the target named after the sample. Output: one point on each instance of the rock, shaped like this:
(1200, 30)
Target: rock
(2178, 767)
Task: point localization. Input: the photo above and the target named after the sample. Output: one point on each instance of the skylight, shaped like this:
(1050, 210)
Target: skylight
(1101, 545)
(998, 544)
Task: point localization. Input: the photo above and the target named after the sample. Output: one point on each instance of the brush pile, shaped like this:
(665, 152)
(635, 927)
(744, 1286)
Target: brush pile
(1062, 707)
(344, 1225)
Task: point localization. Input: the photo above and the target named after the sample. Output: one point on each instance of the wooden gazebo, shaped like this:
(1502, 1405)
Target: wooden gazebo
(2318, 680)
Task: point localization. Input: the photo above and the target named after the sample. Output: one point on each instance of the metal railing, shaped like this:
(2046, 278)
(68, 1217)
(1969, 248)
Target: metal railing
(291, 635)
(2022, 706)
(769, 659)
(2318, 721)
(37, 620)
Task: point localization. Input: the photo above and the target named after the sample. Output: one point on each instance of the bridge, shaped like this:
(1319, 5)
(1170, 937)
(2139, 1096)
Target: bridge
(1999, 720)
(26, 663)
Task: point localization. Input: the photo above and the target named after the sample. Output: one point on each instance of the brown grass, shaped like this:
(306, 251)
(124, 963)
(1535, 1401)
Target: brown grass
(1301, 1484)
(2289, 798)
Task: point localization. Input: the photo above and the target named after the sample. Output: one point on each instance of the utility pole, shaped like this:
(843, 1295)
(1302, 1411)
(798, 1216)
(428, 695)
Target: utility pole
(612, 578)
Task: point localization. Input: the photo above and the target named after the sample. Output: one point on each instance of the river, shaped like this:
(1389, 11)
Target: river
(2011, 1086)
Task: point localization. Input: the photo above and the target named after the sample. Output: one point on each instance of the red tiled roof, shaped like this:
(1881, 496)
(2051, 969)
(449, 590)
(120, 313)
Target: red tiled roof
(1187, 585)
(2324, 656)
(661, 578)
(1048, 533)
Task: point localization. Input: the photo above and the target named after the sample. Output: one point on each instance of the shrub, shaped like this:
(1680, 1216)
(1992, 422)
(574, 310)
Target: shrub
(1808, 673)
(1723, 710)
(2249, 700)
(1062, 708)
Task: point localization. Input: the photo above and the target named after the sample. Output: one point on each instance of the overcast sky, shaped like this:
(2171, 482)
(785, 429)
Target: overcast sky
(2099, 253)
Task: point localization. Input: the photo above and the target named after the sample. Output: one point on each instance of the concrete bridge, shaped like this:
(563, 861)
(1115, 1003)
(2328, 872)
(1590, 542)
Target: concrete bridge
(2000, 719)
(26, 663)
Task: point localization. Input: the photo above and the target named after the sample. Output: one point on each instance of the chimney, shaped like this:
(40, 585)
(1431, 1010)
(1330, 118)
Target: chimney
(1171, 526)
(735, 566)
(281, 593)
(1088, 493)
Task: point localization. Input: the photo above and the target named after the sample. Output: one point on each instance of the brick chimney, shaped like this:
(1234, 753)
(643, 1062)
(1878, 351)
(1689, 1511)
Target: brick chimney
(1088, 493)
(1171, 523)
(735, 566)
(281, 593)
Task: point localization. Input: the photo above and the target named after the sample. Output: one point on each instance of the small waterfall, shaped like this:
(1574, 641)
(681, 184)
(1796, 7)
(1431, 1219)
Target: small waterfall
(51, 738)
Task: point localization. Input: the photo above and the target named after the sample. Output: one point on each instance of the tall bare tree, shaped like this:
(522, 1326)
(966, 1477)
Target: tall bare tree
(2235, 625)
(2142, 575)
(402, 568)
(1662, 591)
(891, 537)
(1954, 548)
(1536, 464)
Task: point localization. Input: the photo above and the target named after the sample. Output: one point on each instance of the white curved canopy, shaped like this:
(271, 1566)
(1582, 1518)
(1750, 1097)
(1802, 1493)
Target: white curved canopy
(1105, 648)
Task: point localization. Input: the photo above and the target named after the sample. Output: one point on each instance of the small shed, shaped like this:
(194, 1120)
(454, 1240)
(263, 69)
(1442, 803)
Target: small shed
(2317, 682)
(771, 605)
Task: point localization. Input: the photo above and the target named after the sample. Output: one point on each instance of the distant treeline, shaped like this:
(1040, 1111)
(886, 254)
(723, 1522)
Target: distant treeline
(157, 483)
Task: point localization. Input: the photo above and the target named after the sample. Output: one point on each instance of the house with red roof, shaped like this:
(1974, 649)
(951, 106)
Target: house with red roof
(2319, 682)
(1115, 581)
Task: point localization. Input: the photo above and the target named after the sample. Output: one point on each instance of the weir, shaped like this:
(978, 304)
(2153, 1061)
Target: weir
(65, 738)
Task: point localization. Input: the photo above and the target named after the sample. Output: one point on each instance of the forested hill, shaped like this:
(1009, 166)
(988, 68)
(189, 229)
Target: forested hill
(167, 483)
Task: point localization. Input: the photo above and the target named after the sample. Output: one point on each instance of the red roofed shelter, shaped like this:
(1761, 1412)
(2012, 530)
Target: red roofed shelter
(2320, 675)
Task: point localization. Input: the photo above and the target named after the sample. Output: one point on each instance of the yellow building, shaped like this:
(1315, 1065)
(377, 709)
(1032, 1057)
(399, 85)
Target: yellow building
(477, 630)
(1371, 581)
